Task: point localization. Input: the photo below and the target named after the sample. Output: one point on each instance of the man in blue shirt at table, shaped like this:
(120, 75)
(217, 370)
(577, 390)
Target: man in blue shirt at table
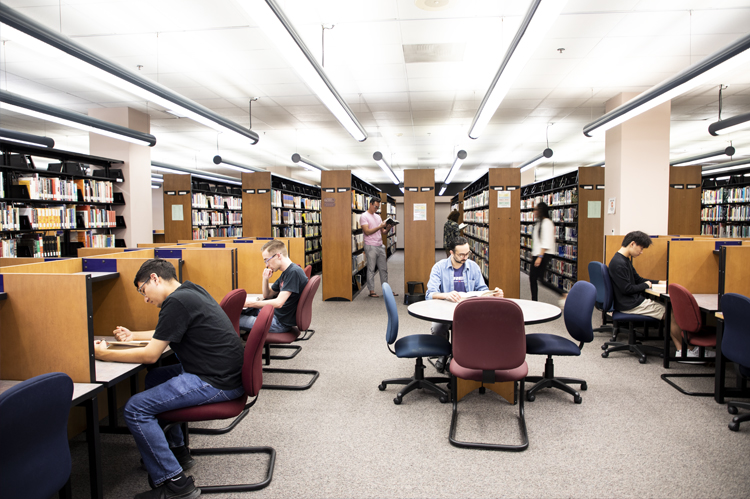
(450, 277)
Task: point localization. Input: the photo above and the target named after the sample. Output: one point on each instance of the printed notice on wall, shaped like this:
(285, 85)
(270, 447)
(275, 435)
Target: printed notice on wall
(611, 206)
(595, 209)
(177, 213)
(503, 199)
(420, 212)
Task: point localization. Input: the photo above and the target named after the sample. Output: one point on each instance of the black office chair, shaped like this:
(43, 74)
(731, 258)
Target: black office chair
(735, 346)
(35, 459)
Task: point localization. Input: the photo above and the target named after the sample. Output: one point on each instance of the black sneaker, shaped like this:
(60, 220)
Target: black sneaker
(182, 454)
(168, 490)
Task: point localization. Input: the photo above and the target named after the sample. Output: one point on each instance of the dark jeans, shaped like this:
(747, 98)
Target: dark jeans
(536, 273)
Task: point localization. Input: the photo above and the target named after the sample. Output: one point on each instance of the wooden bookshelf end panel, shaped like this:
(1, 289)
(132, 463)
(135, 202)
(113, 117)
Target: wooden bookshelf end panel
(590, 227)
(336, 216)
(684, 200)
(505, 232)
(174, 230)
(419, 236)
(256, 206)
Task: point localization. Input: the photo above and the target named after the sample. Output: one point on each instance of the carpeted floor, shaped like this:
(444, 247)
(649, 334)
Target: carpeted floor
(633, 435)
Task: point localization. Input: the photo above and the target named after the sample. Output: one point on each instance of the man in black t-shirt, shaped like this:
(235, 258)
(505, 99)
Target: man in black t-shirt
(283, 294)
(210, 370)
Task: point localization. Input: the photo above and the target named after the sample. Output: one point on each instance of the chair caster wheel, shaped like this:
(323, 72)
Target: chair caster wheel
(397, 400)
(732, 410)
(584, 386)
(381, 386)
(734, 426)
(482, 390)
(577, 399)
(443, 399)
(605, 354)
(604, 347)
(642, 360)
(661, 355)
(530, 397)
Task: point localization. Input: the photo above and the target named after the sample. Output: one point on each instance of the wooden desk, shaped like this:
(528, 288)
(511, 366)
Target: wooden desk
(534, 312)
(84, 394)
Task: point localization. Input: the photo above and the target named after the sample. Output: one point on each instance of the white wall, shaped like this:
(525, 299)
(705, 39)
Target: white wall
(157, 208)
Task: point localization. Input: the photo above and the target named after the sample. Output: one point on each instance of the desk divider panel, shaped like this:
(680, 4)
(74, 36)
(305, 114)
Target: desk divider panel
(651, 264)
(86, 252)
(735, 271)
(213, 269)
(250, 266)
(69, 266)
(12, 262)
(141, 253)
(694, 265)
(58, 339)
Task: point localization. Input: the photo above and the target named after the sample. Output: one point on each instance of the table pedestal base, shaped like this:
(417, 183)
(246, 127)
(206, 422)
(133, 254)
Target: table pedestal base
(506, 390)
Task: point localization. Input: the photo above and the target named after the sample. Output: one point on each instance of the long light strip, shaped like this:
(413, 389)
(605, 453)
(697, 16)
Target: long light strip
(277, 27)
(378, 157)
(217, 177)
(740, 164)
(702, 72)
(233, 165)
(699, 158)
(36, 109)
(544, 156)
(460, 157)
(26, 138)
(442, 189)
(308, 164)
(729, 125)
(538, 20)
(122, 77)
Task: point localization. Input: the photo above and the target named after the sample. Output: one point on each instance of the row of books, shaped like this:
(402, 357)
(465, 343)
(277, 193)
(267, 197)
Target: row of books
(480, 249)
(726, 195)
(312, 230)
(567, 251)
(564, 214)
(477, 216)
(313, 258)
(358, 262)
(479, 232)
(355, 221)
(568, 196)
(281, 216)
(567, 233)
(217, 218)
(567, 269)
(726, 213)
(526, 242)
(49, 188)
(312, 244)
(359, 201)
(31, 246)
(216, 201)
(484, 266)
(284, 200)
(95, 218)
(479, 200)
(57, 217)
(560, 282)
(358, 242)
(725, 230)
(205, 233)
(91, 239)
(288, 231)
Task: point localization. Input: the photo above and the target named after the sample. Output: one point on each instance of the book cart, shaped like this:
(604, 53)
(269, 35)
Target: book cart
(49, 213)
(388, 209)
(344, 199)
(576, 206)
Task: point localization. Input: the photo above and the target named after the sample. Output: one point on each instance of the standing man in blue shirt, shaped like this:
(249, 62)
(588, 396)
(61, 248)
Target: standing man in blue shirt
(450, 277)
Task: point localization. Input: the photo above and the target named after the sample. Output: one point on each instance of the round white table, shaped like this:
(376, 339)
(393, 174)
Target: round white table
(534, 312)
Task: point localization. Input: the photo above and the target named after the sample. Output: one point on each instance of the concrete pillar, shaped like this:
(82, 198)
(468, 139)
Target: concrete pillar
(637, 171)
(136, 170)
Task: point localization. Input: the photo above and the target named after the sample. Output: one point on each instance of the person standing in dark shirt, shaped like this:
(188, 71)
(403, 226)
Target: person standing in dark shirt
(283, 294)
(211, 354)
(450, 231)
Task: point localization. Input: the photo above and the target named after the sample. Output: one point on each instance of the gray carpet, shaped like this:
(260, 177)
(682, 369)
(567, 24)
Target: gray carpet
(633, 435)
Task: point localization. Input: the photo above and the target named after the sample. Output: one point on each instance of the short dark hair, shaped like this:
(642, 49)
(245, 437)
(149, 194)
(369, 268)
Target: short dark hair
(157, 266)
(454, 215)
(640, 238)
(542, 210)
(374, 199)
(459, 241)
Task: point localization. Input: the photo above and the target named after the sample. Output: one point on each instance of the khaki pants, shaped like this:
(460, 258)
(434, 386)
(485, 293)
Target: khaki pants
(649, 308)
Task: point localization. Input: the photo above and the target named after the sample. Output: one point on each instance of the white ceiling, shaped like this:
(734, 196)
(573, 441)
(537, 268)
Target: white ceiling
(416, 114)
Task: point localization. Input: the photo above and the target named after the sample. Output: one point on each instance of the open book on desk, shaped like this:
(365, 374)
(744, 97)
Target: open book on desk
(137, 343)
(475, 294)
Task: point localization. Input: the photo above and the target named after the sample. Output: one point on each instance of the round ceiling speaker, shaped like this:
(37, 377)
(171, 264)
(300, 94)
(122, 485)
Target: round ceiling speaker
(432, 4)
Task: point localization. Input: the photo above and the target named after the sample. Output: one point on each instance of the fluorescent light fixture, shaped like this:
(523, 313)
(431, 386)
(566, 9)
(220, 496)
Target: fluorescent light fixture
(30, 107)
(700, 158)
(538, 20)
(378, 157)
(215, 177)
(26, 138)
(702, 72)
(154, 178)
(232, 165)
(733, 124)
(536, 160)
(729, 166)
(442, 189)
(155, 186)
(723, 178)
(122, 77)
(401, 187)
(460, 157)
(277, 27)
(308, 164)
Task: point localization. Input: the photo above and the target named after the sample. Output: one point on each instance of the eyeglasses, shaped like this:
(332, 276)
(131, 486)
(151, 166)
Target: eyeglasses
(462, 255)
(266, 260)
(140, 290)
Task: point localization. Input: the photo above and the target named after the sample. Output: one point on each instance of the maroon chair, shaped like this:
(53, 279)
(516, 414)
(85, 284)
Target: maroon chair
(232, 304)
(279, 340)
(687, 315)
(252, 381)
(308, 271)
(489, 350)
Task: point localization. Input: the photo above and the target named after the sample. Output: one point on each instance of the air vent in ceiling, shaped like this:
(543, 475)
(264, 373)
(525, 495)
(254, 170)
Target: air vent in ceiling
(434, 52)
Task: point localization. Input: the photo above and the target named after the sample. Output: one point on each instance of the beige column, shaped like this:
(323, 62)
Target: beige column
(637, 171)
(136, 170)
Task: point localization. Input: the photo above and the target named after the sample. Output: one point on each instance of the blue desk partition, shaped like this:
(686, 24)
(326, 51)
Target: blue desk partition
(168, 253)
(99, 264)
(213, 245)
(719, 244)
(242, 241)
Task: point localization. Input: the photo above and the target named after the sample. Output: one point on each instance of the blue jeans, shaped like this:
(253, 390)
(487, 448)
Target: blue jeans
(167, 388)
(247, 321)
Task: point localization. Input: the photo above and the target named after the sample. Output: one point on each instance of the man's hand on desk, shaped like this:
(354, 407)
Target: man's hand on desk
(123, 334)
(453, 296)
(99, 347)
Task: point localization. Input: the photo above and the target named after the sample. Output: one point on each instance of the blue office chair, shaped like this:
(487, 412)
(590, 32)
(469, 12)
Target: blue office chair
(577, 315)
(415, 346)
(597, 279)
(35, 458)
(735, 345)
(633, 345)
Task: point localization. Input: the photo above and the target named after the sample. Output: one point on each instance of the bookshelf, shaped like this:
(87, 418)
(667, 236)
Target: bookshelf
(684, 200)
(725, 204)
(388, 209)
(276, 206)
(344, 198)
(490, 208)
(199, 209)
(50, 213)
(576, 203)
